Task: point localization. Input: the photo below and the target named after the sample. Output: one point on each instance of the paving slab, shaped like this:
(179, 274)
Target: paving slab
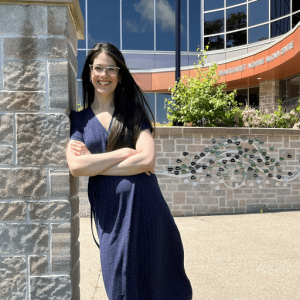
(240, 257)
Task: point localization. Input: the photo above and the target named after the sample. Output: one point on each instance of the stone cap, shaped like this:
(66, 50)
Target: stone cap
(73, 6)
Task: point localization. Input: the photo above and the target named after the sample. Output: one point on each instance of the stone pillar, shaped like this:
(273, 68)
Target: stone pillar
(269, 95)
(39, 223)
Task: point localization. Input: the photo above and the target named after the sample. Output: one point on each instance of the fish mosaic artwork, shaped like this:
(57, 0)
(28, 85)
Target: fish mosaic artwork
(237, 162)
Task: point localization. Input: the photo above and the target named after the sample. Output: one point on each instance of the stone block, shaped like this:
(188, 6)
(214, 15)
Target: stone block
(162, 161)
(6, 155)
(75, 254)
(38, 265)
(12, 277)
(23, 19)
(60, 22)
(13, 211)
(172, 187)
(74, 185)
(283, 192)
(292, 199)
(178, 198)
(23, 183)
(203, 209)
(209, 200)
(24, 238)
(42, 288)
(168, 146)
(57, 210)
(42, 139)
(73, 88)
(75, 275)
(22, 101)
(61, 247)
(6, 128)
(24, 75)
(32, 47)
(60, 183)
(58, 84)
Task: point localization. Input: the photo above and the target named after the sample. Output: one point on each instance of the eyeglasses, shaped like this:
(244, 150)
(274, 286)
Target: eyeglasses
(110, 71)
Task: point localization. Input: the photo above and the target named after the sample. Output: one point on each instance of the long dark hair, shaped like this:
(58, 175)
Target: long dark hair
(131, 107)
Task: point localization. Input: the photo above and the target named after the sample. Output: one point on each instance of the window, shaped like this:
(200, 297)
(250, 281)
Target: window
(194, 25)
(296, 5)
(295, 19)
(138, 25)
(214, 22)
(236, 18)
(81, 56)
(254, 97)
(103, 22)
(289, 91)
(279, 8)
(258, 33)
(215, 42)
(258, 12)
(151, 102)
(213, 4)
(161, 112)
(82, 43)
(237, 38)
(280, 27)
(248, 96)
(234, 2)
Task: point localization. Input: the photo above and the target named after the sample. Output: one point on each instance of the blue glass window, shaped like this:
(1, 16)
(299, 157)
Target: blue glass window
(195, 21)
(237, 38)
(138, 25)
(150, 97)
(258, 33)
(213, 4)
(296, 5)
(280, 27)
(234, 2)
(279, 8)
(81, 56)
(295, 19)
(161, 112)
(214, 22)
(165, 25)
(236, 18)
(215, 42)
(103, 22)
(82, 43)
(258, 12)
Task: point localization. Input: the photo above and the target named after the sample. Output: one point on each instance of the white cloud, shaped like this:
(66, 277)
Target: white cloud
(165, 15)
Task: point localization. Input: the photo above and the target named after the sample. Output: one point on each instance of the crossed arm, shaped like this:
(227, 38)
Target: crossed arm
(122, 162)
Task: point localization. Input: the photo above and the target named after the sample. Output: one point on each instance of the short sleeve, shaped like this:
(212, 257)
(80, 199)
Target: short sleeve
(146, 125)
(76, 126)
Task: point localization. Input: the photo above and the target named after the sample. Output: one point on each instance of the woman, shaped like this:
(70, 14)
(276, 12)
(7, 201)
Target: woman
(141, 250)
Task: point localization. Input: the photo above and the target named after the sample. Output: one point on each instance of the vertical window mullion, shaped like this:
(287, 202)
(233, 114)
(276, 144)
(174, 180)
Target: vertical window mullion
(270, 19)
(86, 27)
(154, 25)
(202, 25)
(188, 25)
(155, 114)
(121, 33)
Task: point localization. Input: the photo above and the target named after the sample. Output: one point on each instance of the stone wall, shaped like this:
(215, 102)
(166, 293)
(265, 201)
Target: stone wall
(210, 191)
(39, 221)
(269, 94)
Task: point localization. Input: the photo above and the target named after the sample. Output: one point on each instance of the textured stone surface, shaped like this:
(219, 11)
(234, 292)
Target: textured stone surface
(50, 288)
(49, 210)
(24, 75)
(38, 265)
(22, 101)
(73, 88)
(23, 19)
(28, 47)
(60, 183)
(12, 278)
(6, 155)
(61, 247)
(13, 211)
(58, 84)
(6, 128)
(23, 238)
(60, 22)
(23, 183)
(42, 139)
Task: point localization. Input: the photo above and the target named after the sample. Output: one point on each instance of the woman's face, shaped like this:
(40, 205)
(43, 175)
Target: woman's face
(104, 84)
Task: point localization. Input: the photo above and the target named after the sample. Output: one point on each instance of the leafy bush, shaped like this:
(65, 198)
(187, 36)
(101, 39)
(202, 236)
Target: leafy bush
(202, 101)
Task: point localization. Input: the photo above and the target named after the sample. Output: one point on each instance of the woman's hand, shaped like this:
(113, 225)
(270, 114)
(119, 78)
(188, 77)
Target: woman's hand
(79, 148)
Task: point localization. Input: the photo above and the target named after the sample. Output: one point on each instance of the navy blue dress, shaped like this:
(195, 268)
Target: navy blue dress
(141, 250)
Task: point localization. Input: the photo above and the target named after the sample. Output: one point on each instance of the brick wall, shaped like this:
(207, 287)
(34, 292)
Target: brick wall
(39, 221)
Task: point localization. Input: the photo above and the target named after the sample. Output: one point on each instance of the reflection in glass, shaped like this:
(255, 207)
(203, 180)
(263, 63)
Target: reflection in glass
(283, 91)
(80, 101)
(165, 25)
(215, 4)
(236, 18)
(236, 38)
(150, 97)
(293, 87)
(234, 2)
(258, 33)
(195, 21)
(242, 97)
(81, 55)
(296, 5)
(103, 22)
(214, 42)
(257, 12)
(82, 43)
(295, 19)
(138, 24)
(280, 27)
(161, 112)
(279, 8)
(254, 97)
(214, 22)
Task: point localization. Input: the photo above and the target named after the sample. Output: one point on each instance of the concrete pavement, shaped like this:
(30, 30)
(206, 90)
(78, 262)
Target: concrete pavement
(240, 257)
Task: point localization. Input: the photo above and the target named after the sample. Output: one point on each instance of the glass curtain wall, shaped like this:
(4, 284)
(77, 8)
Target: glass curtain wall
(247, 96)
(289, 92)
(232, 23)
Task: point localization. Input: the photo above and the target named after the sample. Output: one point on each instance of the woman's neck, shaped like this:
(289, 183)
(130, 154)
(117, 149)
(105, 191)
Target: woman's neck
(103, 102)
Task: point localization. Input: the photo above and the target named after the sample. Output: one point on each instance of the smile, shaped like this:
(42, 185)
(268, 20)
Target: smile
(103, 82)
